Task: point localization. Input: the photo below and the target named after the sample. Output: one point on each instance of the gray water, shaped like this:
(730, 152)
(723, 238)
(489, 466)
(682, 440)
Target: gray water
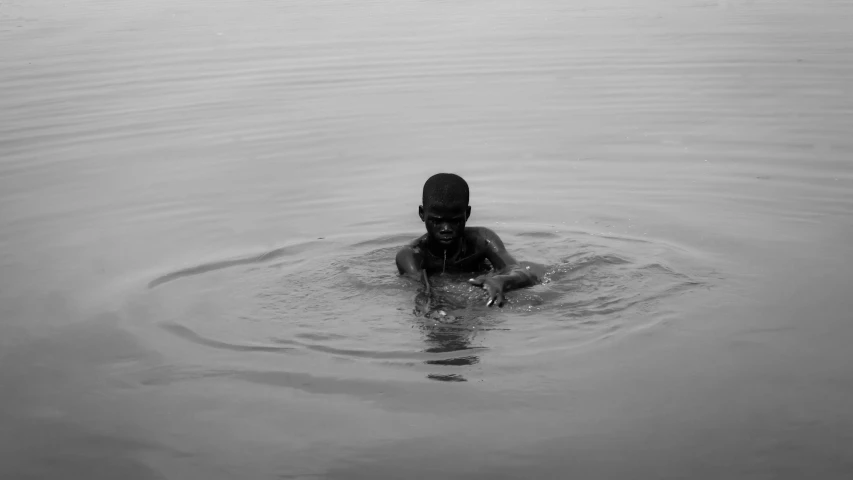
(201, 203)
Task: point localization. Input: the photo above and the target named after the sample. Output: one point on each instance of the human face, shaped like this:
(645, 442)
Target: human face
(445, 224)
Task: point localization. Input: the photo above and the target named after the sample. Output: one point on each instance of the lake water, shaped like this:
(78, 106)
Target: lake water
(201, 203)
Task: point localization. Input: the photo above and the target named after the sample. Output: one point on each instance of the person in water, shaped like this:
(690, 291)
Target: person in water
(450, 246)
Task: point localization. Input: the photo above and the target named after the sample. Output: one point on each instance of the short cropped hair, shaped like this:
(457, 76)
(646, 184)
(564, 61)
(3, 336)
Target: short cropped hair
(445, 188)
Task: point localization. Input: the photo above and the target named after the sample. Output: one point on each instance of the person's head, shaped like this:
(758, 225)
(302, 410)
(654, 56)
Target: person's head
(445, 207)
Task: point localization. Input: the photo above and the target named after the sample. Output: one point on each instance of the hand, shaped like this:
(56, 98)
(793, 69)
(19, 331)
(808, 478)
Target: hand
(422, 304)
(494, 287)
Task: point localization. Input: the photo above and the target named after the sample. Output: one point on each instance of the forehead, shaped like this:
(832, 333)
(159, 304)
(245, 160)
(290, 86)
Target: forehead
(445, 209)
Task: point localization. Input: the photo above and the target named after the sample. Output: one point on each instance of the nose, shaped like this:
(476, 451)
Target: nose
(445, 228)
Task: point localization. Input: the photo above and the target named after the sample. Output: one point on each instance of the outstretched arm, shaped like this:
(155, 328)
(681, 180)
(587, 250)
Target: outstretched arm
(511, 274)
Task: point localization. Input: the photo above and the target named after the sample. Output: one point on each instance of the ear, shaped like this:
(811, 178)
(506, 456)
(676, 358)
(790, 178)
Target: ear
(421, 212)
(468, 213)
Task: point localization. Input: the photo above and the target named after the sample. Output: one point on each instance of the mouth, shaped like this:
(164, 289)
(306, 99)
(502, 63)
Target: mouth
(445, 238)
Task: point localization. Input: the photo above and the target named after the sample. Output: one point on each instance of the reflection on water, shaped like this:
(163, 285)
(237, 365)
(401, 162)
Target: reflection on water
(200, 203)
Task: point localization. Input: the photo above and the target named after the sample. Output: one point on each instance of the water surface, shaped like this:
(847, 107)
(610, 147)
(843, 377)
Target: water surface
(200, 205)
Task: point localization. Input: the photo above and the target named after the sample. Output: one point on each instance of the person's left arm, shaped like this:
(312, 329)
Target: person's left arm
(510, 275)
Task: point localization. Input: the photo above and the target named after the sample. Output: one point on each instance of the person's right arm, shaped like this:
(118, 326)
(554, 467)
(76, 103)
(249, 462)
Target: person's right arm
(409, 261)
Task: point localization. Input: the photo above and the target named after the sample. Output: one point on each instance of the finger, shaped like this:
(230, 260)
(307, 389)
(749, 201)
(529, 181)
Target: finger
(493, 296)
(500, 299)
(477, 282)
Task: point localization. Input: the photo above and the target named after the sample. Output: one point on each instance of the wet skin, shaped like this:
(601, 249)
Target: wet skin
(449, 246)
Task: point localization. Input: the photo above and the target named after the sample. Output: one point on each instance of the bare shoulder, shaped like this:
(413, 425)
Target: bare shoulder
(415, 247)
(409, 258)
(484, 238)
(417, 244)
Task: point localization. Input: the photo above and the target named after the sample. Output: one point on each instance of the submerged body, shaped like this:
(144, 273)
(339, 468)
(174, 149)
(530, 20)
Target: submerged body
(449, 246)
(472, 256)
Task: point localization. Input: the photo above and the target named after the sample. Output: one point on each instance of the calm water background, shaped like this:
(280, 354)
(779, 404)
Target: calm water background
(201, 202)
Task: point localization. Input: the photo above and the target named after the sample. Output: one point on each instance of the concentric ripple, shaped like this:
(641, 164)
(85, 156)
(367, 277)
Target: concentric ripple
(345, 300)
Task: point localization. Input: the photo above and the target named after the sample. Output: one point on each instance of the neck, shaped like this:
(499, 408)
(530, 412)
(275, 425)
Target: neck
(442, 251)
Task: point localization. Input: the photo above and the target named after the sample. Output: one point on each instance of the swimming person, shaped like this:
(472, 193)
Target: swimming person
(450, 246)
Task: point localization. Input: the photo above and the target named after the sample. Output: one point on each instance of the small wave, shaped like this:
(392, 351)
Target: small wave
(192, 336)
(387, 355)
(589, 284)
(451, 377)
(538, 235)
(456, 361)
(442, 357)
(575, 265)
(219, 265)
(395, 240)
